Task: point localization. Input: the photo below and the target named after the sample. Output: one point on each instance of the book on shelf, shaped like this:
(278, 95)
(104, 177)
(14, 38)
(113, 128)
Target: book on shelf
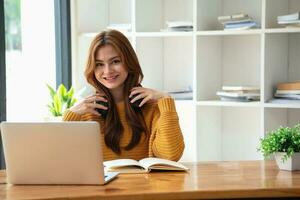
(185, 29)
(228, 19)
(239, 15)
(142, 166)
(179, 26)
(173, 24)
(287, 96)
(239, 99)
(236, 21)
(288, 92)
(182, 94)
(289, 22)
(240, 88)
(289, 86)
(233, 17)
(240, 26)
(237, 94)
(293, 16)
(226, 96)
(243, 91)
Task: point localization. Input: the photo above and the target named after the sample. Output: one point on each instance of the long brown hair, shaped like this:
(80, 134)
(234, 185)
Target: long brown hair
(113, 127)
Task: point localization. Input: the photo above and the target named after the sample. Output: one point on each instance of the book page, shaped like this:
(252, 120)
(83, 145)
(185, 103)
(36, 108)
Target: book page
(123, 166)
(161, 164)
(119, 163)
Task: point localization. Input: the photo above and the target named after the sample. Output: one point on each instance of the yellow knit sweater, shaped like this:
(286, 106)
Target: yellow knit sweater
(161, 119)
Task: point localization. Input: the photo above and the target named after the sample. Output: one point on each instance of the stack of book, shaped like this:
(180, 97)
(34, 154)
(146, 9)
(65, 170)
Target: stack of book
(182, 94)
(290, 91)
(291, 20)
(179, 25)
(239, 93)
(238, 21)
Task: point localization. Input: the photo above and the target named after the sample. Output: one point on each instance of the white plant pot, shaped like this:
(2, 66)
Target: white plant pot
(53, 119)
(291, 164)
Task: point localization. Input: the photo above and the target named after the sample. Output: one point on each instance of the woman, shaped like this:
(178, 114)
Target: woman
(136, 122)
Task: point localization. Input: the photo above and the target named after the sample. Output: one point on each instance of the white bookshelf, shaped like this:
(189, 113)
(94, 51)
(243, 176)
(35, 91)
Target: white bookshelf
(205, 59)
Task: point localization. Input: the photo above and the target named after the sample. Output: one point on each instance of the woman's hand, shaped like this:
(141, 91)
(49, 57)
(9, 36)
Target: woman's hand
(88, 105)
(147, 94)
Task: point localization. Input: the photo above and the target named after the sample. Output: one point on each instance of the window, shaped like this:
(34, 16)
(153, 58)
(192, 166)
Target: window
(30, 58)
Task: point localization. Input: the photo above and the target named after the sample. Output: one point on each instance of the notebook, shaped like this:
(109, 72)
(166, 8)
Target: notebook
(53, 153)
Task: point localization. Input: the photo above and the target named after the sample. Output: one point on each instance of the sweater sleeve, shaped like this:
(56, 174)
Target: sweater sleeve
(72, 116)
(166, 140)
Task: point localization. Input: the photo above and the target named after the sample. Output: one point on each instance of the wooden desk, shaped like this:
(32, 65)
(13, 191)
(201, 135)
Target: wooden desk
(206, 180)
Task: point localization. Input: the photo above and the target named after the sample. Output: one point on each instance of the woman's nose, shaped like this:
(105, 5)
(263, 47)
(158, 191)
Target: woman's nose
(107, 68)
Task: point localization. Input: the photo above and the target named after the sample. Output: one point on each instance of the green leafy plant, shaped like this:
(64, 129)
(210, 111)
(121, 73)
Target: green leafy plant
(284, 139)
(61, 99)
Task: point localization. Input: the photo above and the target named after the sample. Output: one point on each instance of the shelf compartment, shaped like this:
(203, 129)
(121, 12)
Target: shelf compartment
(221, 138)
(227, 60)
(276, 8)
(281, 60)
(96, 15)
(209, 11)
(276, 117)
(167, 62)
(151, 16)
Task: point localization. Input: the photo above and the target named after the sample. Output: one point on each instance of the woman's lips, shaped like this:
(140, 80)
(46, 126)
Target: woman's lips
(110, 78)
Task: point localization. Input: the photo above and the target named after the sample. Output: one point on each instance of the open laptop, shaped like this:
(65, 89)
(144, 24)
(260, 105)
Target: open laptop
(53, 153)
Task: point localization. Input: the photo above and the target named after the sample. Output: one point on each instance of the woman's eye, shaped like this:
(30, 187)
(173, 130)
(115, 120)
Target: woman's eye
(99, 64)
(116, 61)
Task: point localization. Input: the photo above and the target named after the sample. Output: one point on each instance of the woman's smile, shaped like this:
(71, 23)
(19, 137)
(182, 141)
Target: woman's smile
(110, 78)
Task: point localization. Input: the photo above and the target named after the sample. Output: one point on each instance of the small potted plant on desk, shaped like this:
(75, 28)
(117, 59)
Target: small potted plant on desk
(61, 99)
(284, 144)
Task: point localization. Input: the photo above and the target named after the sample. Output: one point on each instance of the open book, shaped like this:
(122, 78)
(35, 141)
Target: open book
(142, 166)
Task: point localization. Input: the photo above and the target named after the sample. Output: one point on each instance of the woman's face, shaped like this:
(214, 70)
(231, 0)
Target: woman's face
(110, 70)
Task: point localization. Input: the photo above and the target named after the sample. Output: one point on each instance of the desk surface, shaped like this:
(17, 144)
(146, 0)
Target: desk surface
(243, 179)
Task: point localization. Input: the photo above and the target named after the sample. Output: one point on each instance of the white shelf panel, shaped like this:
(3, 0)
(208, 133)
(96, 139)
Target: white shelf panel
(164, 34)
(93, 34)
(228, 103)
(231, 32)
(282, 30)
(282, 105)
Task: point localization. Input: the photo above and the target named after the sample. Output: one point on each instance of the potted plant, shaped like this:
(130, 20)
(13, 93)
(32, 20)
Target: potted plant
(61, 99)
(284, 144)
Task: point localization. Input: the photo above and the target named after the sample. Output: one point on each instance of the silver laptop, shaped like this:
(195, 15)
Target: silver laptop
(53, 153)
